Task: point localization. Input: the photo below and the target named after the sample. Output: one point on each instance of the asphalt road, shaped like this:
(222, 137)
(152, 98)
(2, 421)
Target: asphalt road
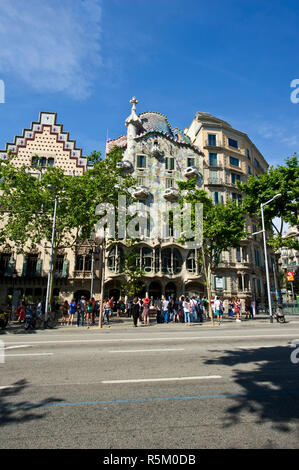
(231, 386)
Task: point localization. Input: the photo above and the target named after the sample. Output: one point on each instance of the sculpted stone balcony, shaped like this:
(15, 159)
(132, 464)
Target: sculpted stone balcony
(124, 165)
(141, 192)
(156, 151)
(171, 194)
(191, 171)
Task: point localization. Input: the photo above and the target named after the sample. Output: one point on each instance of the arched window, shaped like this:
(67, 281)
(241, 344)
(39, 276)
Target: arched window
(116, 259)
(166, 261)
(192, 264)
(147, 259)
(177, 261)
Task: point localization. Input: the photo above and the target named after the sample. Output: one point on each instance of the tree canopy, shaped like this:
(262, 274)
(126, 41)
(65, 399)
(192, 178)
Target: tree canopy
(27, 201)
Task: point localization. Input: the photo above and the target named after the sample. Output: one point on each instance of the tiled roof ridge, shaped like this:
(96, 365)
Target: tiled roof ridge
(117, 138)
(156, 112)
(170, 137)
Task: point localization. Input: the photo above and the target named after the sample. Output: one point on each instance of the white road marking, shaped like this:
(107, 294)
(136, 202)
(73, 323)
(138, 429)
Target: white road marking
(171, 338)
(26, 355)
(164, 379)
(146, 350)
(15, 347)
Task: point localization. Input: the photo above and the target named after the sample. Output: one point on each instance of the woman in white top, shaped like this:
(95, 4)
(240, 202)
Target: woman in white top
(187, 310)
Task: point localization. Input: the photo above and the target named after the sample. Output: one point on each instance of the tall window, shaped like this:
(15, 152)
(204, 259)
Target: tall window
(257, 163)
(116, 259)
(237, 197)
(31, 265)
(217, 197)
(233, 143)
(190, 161)
(43, 162)
(191, 262)
(235, 178)
(212, 140)
(59, 263)
(238, 254)
(147, 259)
(79, 265)
(234, 161)
(177, 261)
(141, 161)
(83, 263)
(213, 160)
(257, 258)
(4, 262)
(169, 182)
(169, 163)
(248, 154)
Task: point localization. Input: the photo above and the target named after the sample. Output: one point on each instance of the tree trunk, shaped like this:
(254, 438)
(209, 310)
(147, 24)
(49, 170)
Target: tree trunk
(207, 273)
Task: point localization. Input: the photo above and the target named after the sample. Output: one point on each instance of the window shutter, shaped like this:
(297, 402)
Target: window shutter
(65, 268)
(24, 270)
(10, 266)
(38, 269)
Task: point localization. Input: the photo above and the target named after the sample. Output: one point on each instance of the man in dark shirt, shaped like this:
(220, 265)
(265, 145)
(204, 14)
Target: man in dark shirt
(135, 311)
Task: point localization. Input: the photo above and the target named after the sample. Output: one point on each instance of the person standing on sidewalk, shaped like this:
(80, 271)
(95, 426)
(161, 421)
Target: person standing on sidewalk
(106, 312)
(72, 311)
(81, 311)
(218, 309)
(135, 311)
(165, 309)
(146, 312)
(237, 309)
(65, 311)
(187, 310)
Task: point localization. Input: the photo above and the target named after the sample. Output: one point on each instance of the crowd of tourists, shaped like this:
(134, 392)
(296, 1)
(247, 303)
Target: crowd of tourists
(185, 310)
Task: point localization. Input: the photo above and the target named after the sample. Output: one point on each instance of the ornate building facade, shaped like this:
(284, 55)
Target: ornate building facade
(158, 156)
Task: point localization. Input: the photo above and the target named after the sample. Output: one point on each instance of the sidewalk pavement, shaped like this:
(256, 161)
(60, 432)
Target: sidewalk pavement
(125, 322)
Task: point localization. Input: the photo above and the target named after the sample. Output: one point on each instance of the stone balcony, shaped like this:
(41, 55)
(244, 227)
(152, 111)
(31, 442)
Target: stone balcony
(141, 192)
(171, 194)
(191, 171)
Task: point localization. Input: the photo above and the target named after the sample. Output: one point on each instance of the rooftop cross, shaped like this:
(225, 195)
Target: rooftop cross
(133, 102)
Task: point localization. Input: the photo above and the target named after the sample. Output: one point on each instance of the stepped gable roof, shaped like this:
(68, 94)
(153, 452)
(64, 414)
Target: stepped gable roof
(46, 120)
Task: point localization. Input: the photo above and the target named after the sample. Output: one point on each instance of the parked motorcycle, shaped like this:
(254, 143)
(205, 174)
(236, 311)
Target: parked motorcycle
(279, 315)
(4, 316)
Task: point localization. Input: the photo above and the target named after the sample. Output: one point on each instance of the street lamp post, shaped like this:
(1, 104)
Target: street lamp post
(265, 253)
(51, 259)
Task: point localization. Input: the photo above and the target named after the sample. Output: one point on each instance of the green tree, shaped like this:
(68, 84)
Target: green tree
(27, 202)
(132, 273)
(223, 228)
(283, 179)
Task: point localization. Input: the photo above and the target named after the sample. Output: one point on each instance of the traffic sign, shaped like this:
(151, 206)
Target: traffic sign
(290, 275)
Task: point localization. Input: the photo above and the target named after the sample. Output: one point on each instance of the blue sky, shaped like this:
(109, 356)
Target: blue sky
(85, 59)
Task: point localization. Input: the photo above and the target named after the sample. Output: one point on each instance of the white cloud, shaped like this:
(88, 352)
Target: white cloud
(286, 134)
(54, 46)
